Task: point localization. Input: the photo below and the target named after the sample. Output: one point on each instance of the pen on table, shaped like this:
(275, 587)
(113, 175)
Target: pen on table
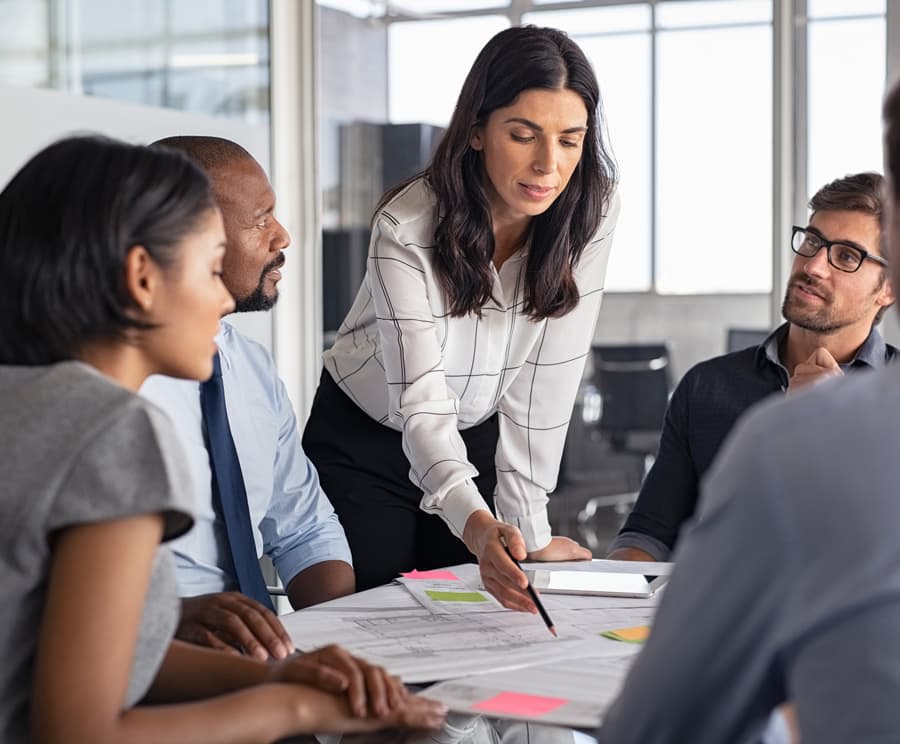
(532, 593)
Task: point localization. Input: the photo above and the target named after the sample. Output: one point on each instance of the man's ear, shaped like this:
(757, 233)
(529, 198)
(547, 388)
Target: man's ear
(884, 297)
(142, 278)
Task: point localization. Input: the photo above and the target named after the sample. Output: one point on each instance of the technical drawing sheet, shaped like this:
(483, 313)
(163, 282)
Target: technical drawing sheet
(423, 647)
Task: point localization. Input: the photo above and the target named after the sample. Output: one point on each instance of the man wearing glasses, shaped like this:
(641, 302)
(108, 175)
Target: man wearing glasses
(789, 586)
(838, 290)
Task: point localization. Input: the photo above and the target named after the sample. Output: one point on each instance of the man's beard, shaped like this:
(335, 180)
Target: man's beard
(258, 299)
(819, 320)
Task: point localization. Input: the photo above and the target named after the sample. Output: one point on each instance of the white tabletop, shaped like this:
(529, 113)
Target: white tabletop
(505, 663)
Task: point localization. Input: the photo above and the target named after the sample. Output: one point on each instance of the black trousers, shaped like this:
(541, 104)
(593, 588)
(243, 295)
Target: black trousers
(366, 475)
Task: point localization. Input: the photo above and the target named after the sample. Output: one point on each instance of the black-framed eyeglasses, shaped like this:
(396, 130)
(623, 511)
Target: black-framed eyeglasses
(807, 241)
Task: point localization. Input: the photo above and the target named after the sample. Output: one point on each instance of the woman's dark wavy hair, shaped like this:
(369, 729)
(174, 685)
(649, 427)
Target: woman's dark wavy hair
(68, 219)
(516, 60)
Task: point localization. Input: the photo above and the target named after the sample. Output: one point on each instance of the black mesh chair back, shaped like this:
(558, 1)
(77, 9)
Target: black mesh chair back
(633, 381)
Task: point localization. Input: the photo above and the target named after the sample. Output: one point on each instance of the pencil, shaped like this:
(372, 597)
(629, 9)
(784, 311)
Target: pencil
(533, 594)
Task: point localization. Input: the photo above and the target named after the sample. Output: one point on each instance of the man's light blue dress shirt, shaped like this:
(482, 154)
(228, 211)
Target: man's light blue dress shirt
(293, 520)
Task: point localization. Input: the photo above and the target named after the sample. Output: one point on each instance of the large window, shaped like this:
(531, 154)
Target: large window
(714, 152)
(207, 57)
(677, 140)
(432, 58)
(687, 90)
(618, 41)
(846, 77)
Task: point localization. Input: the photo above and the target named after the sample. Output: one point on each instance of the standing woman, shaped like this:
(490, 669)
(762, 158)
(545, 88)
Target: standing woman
(447, 393)
(110, 271)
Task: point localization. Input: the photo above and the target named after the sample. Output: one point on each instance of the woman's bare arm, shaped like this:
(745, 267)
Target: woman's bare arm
(97, 586)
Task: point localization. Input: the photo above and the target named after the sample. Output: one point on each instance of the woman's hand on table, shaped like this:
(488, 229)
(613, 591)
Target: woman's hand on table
(369, 689)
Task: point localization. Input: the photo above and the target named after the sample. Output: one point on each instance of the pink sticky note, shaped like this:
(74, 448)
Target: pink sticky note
(517, 703)
(434, 575)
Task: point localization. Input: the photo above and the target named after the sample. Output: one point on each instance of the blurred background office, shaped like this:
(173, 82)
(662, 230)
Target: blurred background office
(724, 115)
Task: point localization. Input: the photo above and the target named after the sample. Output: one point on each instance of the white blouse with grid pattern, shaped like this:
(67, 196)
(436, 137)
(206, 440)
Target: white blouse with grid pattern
(410, 366)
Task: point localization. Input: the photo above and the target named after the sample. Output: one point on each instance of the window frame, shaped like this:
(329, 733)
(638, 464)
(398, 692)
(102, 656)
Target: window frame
(789, 23)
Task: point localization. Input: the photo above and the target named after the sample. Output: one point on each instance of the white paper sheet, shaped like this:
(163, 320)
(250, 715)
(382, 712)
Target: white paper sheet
(555, 602)
(422, 647)
(582, 688)
(425, 647)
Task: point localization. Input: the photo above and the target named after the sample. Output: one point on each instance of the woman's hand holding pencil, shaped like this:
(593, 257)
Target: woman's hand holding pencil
(534, 596)
(499, 572)
(499, 546)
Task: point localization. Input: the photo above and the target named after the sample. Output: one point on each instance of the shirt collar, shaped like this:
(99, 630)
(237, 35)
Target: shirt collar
(768, 349)
(871, 354)
(221, 341)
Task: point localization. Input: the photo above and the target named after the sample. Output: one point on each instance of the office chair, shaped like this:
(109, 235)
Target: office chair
(633, 383)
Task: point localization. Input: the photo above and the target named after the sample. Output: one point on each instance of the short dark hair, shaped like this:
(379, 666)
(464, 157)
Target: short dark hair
(209, 153)
(68, 219)
(516, 60)
(859, 192)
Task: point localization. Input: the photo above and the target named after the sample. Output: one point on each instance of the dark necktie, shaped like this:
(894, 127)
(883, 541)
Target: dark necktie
(228, 491)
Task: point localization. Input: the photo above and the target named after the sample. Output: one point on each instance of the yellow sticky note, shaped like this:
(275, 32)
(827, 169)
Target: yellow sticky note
(637, 634)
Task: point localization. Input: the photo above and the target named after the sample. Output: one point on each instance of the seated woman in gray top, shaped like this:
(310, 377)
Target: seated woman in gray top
(111, 257)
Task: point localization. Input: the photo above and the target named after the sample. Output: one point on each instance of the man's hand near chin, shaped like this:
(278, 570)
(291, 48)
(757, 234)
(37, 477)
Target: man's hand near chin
(818, 367)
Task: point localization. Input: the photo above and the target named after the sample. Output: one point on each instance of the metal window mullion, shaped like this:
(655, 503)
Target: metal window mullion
(892, 43)
(165, 96)
(517, 8)
(64, 45)
(297, 322)
(800, 98)
(788, 141)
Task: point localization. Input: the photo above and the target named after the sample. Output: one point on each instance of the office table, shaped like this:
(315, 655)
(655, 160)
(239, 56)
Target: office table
(499, 664)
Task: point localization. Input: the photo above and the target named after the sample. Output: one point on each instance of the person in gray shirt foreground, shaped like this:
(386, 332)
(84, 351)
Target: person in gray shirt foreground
(787, 587)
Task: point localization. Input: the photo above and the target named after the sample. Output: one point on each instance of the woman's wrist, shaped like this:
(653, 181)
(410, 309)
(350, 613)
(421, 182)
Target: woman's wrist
(477, 524)
(291, 709)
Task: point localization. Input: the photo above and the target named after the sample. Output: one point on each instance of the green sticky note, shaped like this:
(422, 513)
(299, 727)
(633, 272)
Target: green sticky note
(439, 596)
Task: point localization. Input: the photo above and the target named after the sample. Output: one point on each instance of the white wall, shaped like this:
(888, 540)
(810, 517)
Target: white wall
(695, 326)
(34, 118)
